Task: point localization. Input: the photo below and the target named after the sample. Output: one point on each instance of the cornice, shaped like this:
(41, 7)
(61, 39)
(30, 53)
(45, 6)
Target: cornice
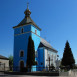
(26, 33)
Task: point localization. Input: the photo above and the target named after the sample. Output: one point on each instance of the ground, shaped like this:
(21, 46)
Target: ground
(29, 76)
(6, 75)
(32, 76)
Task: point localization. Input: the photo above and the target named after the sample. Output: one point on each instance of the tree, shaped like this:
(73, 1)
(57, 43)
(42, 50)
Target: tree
(30, 53)
(68, 59)
(10, 62)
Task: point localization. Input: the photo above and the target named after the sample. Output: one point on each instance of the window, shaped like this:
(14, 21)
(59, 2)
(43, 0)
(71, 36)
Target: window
(22, 30)
(36, 54)
(36, 62)
(21, 53)
(35, 31)
(41, 63)
(52, 56)
(48, 56)
(55, 57)
(0, 63)
(21, 66)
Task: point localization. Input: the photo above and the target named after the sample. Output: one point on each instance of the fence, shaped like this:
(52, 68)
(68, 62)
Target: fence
(25, 69)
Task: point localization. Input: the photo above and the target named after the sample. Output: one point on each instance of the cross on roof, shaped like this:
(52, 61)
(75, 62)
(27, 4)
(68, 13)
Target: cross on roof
(27, 5)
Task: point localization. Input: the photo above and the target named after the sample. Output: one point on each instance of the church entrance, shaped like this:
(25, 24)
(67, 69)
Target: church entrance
(21, 66)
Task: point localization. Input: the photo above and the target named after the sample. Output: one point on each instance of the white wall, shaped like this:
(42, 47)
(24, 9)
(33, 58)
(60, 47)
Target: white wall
(50, 53)
(46, 57)
(6, 62)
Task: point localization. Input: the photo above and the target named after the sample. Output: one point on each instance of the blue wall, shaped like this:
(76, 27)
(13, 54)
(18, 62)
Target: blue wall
(20, 43)
(36, 39)
(33, 30)
(41, 58)
(26, 28)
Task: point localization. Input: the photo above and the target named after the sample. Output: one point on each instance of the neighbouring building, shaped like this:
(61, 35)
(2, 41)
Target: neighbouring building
(43, 50)
(4, 63)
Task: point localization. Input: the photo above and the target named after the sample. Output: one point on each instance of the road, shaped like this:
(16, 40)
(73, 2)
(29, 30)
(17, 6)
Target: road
(6, 75)
(29, 76)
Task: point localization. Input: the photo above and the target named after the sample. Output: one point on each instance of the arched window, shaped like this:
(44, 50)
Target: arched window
(52, 56)
(0, 63)
(55, 57)
(21, 53)
(35, 31)
(48, 56)
(22, 30)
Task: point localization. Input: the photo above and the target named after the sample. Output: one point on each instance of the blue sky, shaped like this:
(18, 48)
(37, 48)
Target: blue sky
(56, 18)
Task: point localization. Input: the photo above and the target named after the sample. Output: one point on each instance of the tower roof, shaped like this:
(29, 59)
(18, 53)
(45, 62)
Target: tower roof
(27, 20)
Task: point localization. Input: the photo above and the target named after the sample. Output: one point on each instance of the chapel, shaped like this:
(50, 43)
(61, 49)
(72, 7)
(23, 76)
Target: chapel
(43, 50)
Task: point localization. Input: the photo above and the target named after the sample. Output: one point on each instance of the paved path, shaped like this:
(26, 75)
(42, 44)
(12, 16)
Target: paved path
(73, 74)
(3, 75)
(29, 76)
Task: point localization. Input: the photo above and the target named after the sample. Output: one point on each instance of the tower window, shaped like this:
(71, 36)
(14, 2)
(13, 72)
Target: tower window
(36, 54)
(21, 53)
(22, 30)
(35, 31)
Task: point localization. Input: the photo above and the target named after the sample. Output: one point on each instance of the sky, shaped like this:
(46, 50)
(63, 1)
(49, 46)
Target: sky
(56, 18)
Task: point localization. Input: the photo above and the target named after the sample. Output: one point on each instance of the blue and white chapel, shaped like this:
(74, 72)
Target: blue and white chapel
(43, 50)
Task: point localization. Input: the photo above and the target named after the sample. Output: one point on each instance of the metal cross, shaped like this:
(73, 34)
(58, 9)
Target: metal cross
(27, 5)
(49, 62)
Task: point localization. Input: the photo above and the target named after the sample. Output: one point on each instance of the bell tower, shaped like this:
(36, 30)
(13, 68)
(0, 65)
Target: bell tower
(22, 31)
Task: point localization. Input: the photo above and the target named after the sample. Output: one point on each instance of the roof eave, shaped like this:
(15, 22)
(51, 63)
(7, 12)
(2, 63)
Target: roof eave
(52, 49)
(49, 48)
(26, 24)
(4, 58)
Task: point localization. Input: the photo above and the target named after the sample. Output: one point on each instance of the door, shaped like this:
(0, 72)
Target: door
(21, 66)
